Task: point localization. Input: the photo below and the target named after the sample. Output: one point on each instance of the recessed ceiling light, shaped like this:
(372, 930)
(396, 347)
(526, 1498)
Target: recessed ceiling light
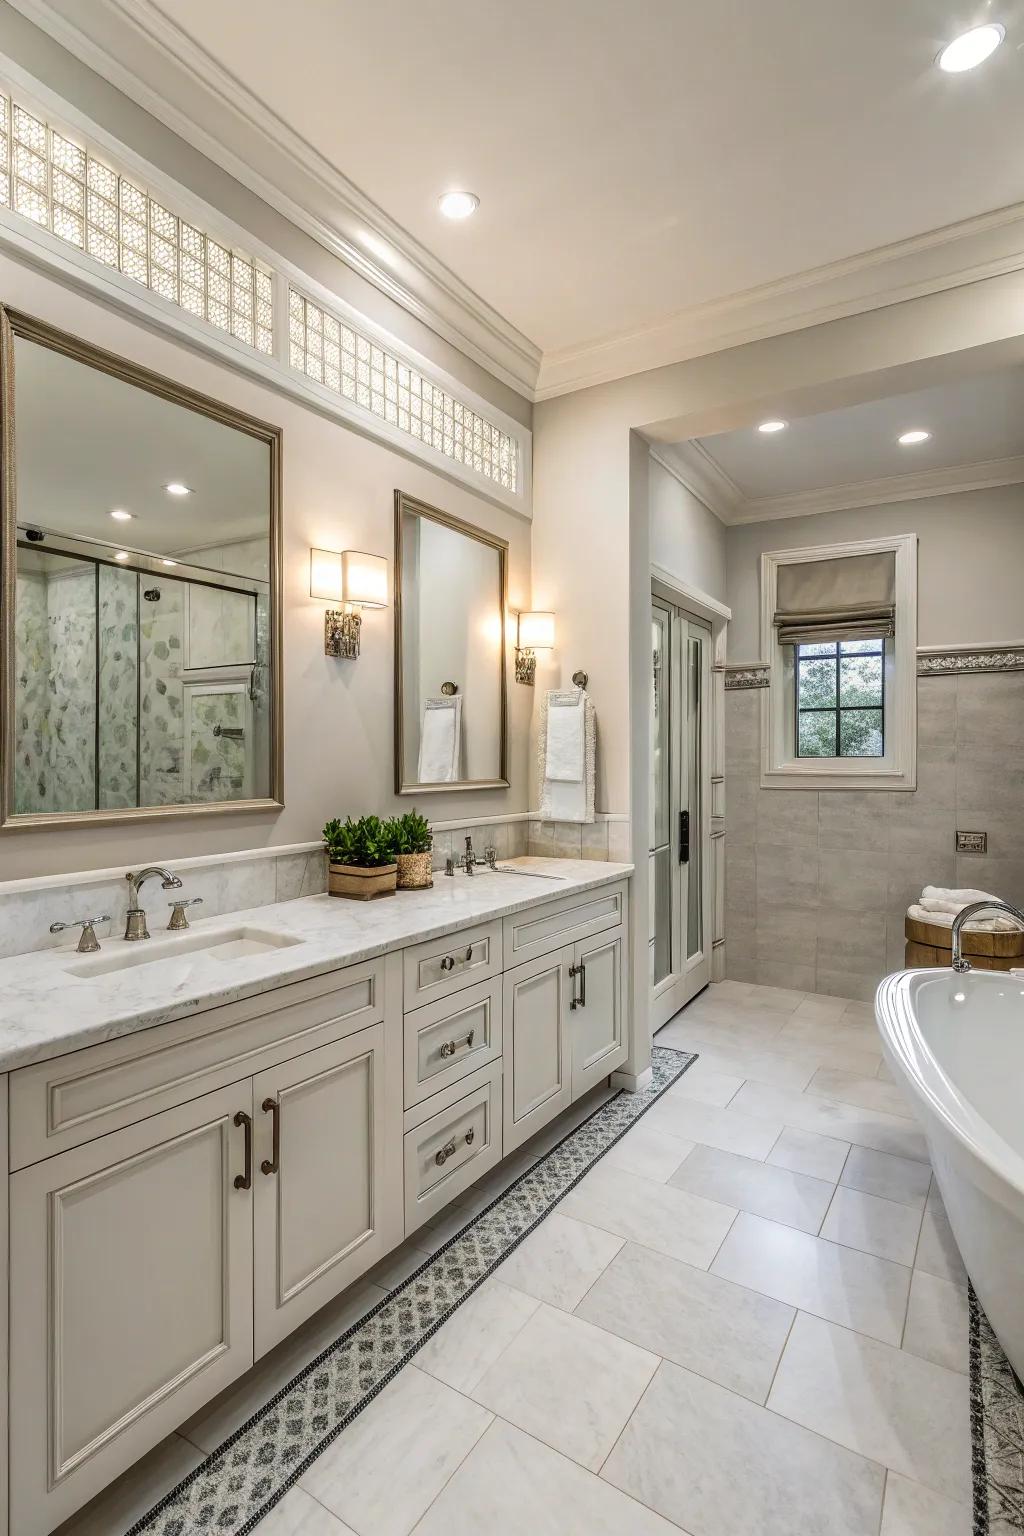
(917, 435)
(971, 48)
(458, 205)
(773, 426)
(121, 517)
(175, 488)
(122, 554)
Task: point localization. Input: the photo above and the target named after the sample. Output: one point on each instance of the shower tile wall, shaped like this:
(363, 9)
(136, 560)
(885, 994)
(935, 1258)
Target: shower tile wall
(817, 884)
(119, 684)
(31, 695)
(55, 684)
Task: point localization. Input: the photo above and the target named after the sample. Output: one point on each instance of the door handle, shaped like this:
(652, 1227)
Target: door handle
(684, 837)
(580, 1000)
(244, 1180)
(582, 968)
(272, 1164)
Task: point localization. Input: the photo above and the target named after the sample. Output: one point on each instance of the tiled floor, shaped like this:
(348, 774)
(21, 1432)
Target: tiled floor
(749, 1319)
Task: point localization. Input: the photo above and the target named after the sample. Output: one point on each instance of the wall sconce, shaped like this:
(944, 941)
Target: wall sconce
(534, 632)
(353, 579)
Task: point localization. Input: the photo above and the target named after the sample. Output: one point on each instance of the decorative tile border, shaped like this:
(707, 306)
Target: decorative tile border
(252, 1471)
(997, 1432)
(963, 659)
(746, 677)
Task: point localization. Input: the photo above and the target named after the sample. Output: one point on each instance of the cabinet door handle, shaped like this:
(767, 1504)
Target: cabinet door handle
(272, 1163)
(244, 1180)
(451, 1046)
(574, 971)
(582, 968)
(449, 1149)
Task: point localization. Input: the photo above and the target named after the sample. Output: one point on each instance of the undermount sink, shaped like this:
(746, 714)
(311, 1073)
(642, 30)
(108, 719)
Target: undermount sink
(224, 944)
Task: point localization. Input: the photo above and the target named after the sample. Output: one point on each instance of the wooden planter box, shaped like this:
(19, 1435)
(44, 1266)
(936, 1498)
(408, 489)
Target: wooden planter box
(360, 884)
(932, 944)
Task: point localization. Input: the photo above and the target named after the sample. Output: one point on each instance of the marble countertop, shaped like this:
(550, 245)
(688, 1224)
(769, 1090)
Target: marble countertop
(46, 1009)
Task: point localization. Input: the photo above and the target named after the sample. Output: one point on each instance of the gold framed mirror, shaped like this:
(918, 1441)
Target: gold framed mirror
(451, 706)
(140, 581)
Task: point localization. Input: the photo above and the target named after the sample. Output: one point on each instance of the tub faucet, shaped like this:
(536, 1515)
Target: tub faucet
(959, 963)
(135, 926)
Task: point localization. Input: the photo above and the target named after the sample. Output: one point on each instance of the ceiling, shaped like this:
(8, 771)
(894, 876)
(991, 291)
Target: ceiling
(652, 176)
(851, 457)
(83, 451)
(634, 160)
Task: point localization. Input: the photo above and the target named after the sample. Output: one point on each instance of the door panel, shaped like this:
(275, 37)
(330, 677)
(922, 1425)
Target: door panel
(597, 1028)
(320, 1207)
(537, 1074)
(131, 1298)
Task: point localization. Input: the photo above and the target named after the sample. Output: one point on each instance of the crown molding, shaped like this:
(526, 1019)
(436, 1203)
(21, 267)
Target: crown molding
(693, 466)
(983, 476)
(988, 245)
(150, 59)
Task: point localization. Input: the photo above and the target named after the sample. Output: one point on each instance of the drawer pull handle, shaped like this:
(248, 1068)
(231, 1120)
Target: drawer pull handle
(449, 962)
(451, 1046)
(244, 1180)
(272, 1163)
(449, 1149)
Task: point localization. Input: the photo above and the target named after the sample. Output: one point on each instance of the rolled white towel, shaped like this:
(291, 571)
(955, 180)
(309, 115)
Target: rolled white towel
(936, 898)
(998, 922)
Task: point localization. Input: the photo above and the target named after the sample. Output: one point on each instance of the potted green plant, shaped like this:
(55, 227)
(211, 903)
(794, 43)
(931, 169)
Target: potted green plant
(412, 841)
(361, 858)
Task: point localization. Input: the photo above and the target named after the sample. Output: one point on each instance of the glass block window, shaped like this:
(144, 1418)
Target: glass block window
(332, 353)
(51, 180)
(840, 699)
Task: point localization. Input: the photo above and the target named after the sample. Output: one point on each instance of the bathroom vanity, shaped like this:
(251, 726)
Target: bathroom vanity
(211, 1135)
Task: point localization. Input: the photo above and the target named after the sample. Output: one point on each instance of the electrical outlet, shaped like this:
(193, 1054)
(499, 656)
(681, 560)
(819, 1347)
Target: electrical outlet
(972, 842)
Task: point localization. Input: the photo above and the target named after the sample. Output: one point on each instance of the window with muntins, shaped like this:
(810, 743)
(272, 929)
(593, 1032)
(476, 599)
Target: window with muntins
(840, 699)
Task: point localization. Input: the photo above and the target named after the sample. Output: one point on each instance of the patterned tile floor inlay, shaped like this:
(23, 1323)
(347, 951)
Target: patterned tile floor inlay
(997, 1432)
(235, 1487)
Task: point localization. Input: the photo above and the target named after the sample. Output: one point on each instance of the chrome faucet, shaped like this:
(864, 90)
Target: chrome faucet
(135, 926)
(471, 860)
(965, 914)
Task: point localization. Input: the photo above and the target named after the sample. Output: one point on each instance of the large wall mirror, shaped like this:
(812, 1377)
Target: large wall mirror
(140, 636)
(450, 703)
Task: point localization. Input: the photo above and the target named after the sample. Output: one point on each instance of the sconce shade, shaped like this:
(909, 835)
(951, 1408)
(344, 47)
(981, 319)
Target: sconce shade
(364, 579)
(536, 631)
(325, 575)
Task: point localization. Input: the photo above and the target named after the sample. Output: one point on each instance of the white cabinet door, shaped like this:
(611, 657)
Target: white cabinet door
(131, 1297)
(598, 1009)
(535, 1032)
(325, 1210)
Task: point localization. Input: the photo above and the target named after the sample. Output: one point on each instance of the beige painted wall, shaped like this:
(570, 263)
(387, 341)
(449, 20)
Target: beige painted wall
(970, 559)
(686, 536)
(338, 490)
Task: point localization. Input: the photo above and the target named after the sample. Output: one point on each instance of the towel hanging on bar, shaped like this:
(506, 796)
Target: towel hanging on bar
(441, 740)
(567, 748)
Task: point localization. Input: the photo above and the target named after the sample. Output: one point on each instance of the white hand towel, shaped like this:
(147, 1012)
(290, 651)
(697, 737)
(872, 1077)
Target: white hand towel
(936, 898)
(440, 741)
(999, 922)
(565, 799)
(565, 750)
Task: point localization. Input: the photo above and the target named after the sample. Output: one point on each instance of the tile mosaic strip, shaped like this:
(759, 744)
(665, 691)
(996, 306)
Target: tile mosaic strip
(976, 659)
(245, 1477)
(997, 1432)
(746, 677)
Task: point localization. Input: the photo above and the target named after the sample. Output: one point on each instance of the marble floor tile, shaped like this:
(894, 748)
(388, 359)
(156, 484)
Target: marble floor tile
(403, 1262)
(212, 1424)
(474, 1336)
(893, 1178)
(669, 1220)
(394, 1459)
(722, 1331)
(882, 1227)
(937, 1251)
(708, 1086)
(820, 1157)
(718, 1465)
(816, 1007)
(782, 1070)
(840, 1284)
(568, 1383)
(882, 1402)
(714, 1127)
(761, 1188)
(560, 1260)
(805, 1112)
(911, 1510)
(648, 1152)
(938, 1321)
(511, 1485)
(136, 1491)
(300, 1515)
(846, 1031)
(866, 1092)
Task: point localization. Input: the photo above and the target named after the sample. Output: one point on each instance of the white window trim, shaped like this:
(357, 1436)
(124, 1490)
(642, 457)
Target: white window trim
(31, 243)
(780, 767)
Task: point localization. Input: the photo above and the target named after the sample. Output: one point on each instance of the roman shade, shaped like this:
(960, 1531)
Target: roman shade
(852, 597)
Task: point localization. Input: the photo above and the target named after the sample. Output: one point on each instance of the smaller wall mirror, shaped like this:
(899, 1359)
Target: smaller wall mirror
(450, 698)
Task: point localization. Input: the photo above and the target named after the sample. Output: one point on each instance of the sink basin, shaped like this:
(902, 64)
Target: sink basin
(224, 944)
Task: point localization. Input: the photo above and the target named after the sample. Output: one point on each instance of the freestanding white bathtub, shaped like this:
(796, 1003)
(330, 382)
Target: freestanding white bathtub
(957, 1044)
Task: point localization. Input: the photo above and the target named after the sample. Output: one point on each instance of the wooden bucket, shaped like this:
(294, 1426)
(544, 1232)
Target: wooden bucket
(931, 944)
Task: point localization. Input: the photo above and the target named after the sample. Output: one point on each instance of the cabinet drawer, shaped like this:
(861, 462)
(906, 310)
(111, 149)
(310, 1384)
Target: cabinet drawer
(448, 1039)
(65, 1102)
(442, 966)
(541, 929)
(452, 1149)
